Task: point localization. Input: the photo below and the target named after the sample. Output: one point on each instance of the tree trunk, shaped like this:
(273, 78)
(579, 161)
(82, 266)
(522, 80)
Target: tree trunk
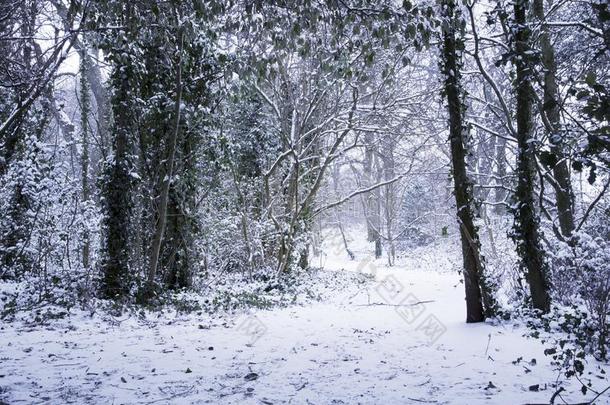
(526, 228)
(485, 154)
(463, 187)
(377, 207)
(561, 171)
(367, 176)
(389, 172)
(500, 192)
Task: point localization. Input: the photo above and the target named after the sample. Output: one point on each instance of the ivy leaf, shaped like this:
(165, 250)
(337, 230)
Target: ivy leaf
(579, 366)
(591, 79)
(548, 159)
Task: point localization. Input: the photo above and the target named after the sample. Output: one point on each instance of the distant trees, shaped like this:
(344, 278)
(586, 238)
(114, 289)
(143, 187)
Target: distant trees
(313, 92)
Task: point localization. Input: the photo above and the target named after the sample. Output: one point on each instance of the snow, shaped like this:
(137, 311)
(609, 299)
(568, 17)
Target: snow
(367, 344)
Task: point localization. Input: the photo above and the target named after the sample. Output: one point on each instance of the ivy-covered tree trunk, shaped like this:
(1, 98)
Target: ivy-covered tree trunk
(117, 274)
(85, 111)
(526, 227)
(561, 172)
(452, 48)
(167, 172)
(177, 246)
(180, 252)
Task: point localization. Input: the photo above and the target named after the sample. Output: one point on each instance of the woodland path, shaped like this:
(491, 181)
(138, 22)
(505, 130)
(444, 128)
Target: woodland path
(364, 347)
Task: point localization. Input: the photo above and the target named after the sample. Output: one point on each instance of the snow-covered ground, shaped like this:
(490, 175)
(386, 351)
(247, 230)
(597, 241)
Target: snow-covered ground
(399, 339)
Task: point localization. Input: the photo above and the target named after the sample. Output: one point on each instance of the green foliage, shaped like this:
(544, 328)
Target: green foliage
(594, 98)
(568, 352)
(142, 53)
(341, 38)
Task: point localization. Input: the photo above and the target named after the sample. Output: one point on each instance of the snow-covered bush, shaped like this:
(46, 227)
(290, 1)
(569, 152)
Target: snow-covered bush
(21, 189)
(422, 212)
(41, 223)
(235, 239)
(577, 325)
(581, 279)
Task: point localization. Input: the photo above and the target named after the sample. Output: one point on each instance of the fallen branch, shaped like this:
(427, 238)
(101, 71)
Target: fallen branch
(372, 304)
(422, 400)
